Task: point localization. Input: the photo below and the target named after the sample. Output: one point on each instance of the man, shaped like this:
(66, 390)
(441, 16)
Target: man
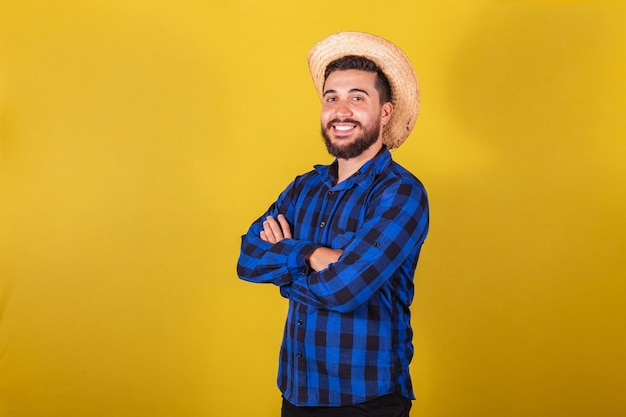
(342, 241)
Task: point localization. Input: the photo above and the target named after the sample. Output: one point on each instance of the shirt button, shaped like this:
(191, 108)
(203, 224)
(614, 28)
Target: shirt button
(376, 244)
(331, 193)
(299, 354)
(300, 322)
(322, 224)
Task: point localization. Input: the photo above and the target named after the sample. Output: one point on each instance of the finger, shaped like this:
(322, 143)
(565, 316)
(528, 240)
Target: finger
(275, 228)
(263, 236)
(269, 234)
(284, 225)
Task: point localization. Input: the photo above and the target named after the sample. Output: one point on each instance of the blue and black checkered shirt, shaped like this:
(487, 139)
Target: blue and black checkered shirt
(348, 334)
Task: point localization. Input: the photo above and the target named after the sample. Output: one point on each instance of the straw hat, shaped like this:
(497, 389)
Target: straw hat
(390, 59)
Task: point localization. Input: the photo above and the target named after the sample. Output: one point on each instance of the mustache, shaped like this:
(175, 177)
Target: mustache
(342, 120)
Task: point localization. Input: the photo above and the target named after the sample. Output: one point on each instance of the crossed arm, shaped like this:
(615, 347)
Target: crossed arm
(344, 274)
(277, 229)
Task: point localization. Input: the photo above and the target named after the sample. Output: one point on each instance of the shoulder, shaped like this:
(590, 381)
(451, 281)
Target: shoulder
(395, 173)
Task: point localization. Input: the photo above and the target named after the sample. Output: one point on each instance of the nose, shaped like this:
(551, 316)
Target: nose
(342, 109)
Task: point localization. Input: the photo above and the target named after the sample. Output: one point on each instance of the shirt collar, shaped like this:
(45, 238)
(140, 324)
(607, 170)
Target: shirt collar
(363, 177)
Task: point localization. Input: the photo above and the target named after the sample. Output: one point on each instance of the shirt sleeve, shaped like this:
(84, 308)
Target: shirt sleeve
(280, 263)
(394, 229)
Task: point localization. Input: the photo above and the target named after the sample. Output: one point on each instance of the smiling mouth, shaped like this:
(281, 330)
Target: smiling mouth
(343, 126)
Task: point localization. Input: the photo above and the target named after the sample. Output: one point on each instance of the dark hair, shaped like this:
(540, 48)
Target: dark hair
(353, 62)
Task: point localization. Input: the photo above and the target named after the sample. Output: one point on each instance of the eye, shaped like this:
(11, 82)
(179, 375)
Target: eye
(357, 98)
(331, 99)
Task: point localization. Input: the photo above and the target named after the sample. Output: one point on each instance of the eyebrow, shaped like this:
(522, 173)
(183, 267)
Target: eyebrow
(352, 90)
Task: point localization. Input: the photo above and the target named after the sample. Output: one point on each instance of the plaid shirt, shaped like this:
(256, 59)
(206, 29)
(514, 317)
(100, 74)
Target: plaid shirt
(348, 336)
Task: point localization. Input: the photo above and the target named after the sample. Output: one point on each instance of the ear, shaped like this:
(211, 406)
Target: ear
(385, 113)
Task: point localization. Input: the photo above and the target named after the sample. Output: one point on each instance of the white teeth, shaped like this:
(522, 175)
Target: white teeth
(344, 127)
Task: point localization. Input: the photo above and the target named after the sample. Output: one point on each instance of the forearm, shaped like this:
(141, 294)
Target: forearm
(278, 263)
(322, 257)
(348, 283)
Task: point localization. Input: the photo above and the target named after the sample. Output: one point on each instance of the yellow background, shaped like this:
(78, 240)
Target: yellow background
(140, 138)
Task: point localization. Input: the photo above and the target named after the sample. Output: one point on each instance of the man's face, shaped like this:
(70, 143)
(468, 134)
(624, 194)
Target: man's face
(352, 115)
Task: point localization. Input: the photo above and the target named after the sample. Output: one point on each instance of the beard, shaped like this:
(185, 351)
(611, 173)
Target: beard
(361, 143)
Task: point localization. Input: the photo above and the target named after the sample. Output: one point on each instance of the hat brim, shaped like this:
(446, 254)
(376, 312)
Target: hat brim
(390, 59)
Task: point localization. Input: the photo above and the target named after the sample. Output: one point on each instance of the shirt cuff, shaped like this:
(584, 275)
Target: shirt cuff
(296, 263)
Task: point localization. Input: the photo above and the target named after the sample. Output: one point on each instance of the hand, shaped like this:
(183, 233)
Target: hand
(322, 257)
(275, 231)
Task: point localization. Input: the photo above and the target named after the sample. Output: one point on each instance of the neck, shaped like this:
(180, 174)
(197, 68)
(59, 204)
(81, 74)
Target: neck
(347, 167)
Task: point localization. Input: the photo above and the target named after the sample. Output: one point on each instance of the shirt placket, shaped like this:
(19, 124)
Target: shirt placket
(321, 234)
